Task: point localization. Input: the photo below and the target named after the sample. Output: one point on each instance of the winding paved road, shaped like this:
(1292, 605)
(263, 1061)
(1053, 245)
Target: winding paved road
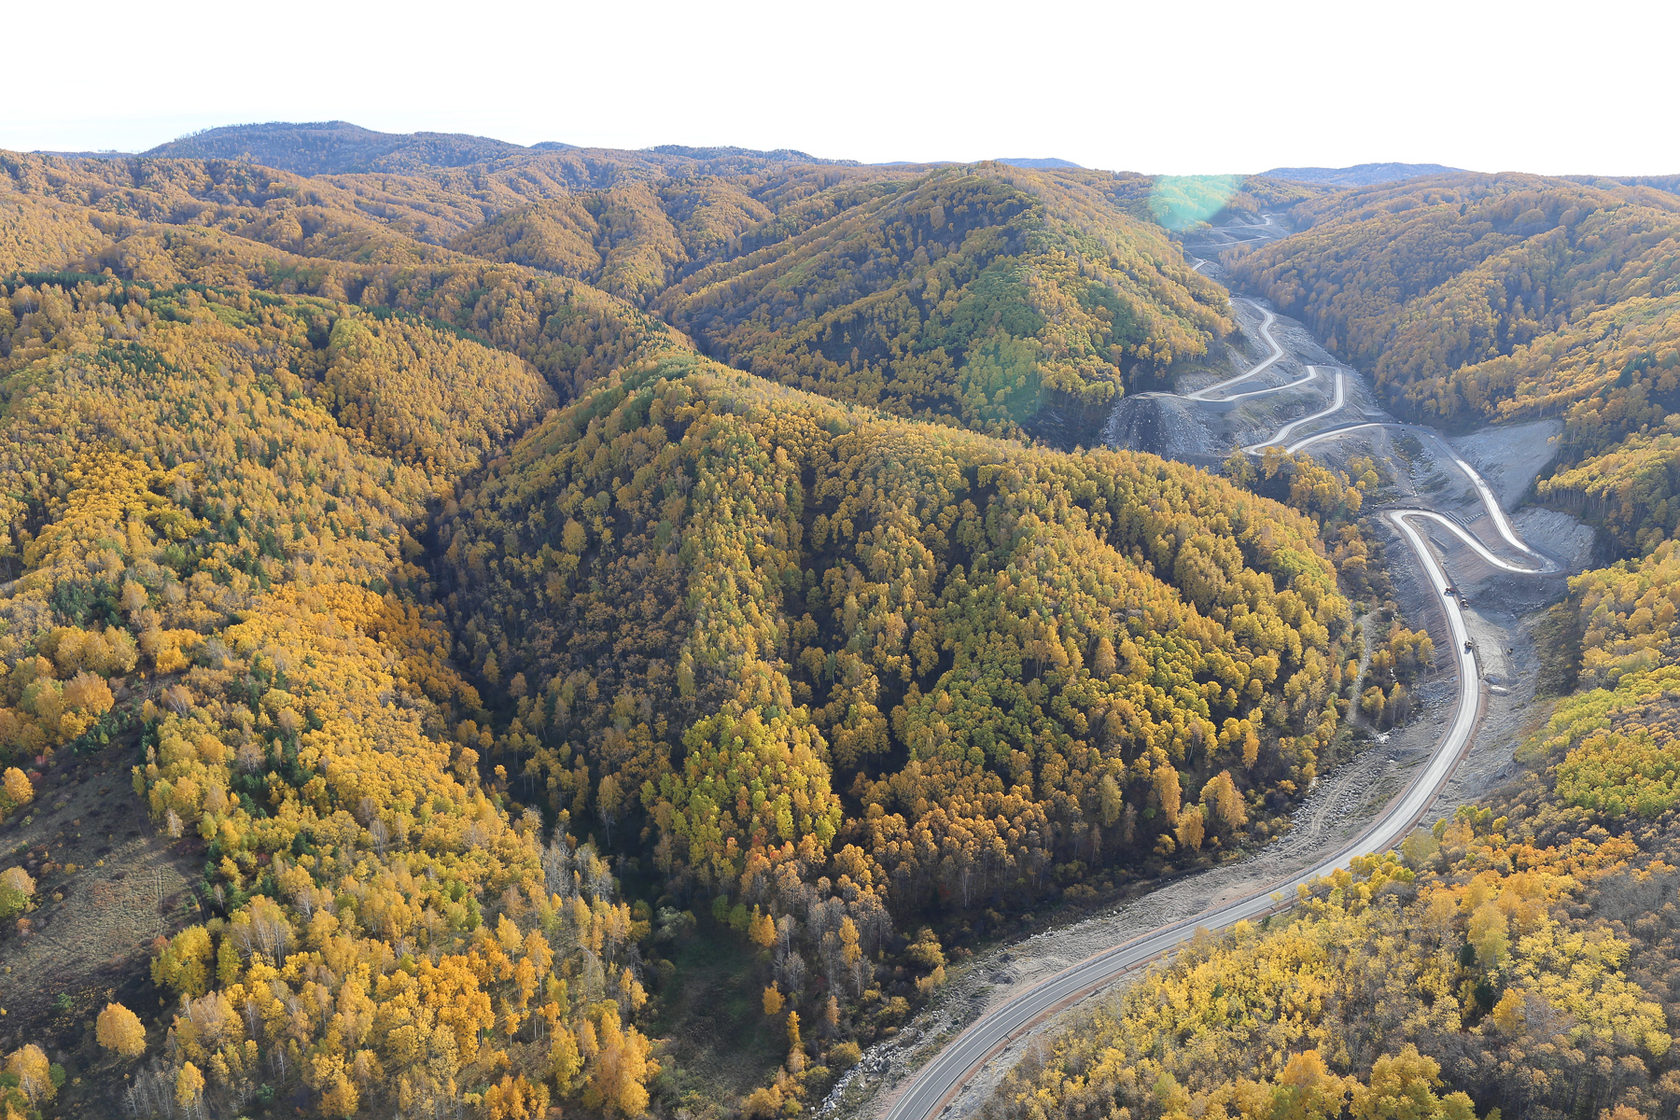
(933, 1086)
(1337, 398)
(1264, 364)
(1483, 491)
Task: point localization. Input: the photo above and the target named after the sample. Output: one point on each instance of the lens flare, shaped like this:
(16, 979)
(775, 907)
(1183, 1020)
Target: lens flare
(1181, 201)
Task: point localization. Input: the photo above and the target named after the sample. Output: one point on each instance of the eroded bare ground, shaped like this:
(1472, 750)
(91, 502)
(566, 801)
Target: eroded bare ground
(107, 886)
(1416, 470)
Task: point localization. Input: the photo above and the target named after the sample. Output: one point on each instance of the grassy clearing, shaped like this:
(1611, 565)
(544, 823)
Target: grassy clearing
(108, 884)
(719, 1044)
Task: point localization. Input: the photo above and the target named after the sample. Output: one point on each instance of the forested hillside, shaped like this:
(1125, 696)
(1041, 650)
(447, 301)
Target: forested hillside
(1520, 958)
(1478, 298)
(417, 659)
(762, 629)
(210, 506)
(843, 674)
(1463, 293)
(987, 296)
(991, 296)
(487, 630)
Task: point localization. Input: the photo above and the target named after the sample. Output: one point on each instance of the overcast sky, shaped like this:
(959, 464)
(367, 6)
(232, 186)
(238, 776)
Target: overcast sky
(1158, 86)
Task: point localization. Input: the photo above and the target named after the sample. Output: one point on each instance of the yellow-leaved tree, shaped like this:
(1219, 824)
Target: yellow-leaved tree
(120, 1029)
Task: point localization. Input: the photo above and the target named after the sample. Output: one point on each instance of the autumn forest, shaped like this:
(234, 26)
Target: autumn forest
(515, 632)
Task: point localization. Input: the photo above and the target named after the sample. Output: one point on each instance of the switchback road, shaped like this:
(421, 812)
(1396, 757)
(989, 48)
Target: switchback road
(933, 1086)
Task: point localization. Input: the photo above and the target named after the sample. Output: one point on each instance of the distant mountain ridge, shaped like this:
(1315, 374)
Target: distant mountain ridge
(343, 148)
(335, 147)
(1046, 163)
(1669, 183)
(1360, 174)
(712, 152)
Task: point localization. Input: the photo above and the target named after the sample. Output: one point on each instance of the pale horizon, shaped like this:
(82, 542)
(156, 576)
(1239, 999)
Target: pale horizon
(1128, 88)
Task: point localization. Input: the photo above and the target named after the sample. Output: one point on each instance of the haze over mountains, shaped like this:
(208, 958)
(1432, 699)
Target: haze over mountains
(486, 629)
(1359, 175)
(342, 148)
